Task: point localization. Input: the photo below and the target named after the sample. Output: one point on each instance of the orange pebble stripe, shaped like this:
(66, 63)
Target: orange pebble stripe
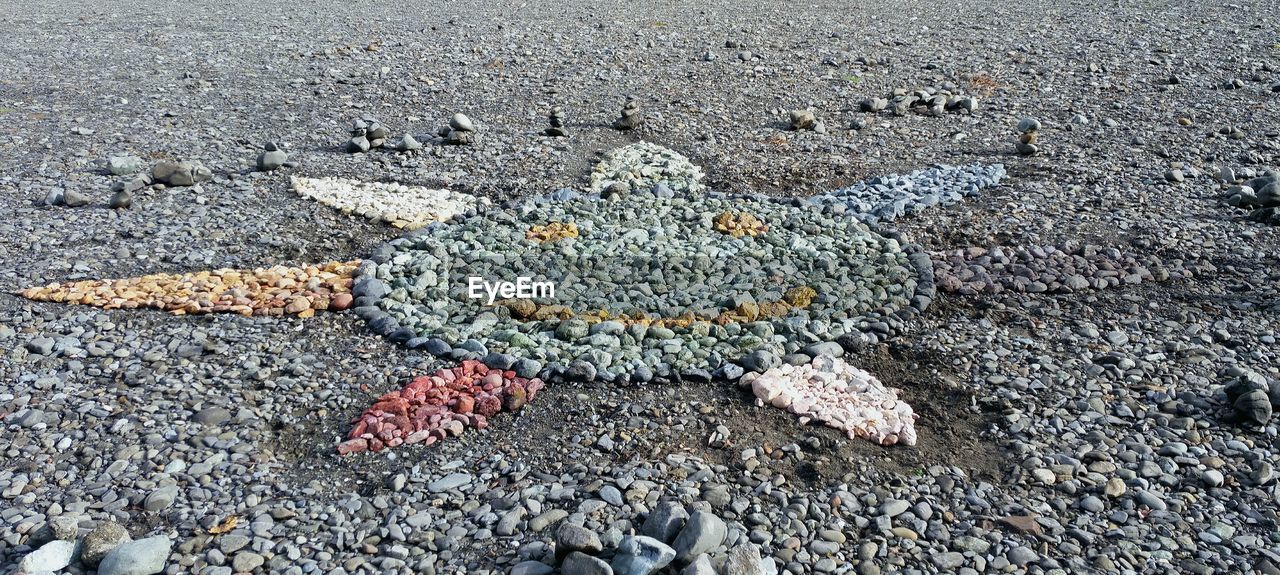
(274, 291)
(795, 298)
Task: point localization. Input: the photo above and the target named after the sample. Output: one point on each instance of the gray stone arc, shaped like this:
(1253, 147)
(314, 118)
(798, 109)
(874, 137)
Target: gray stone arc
(890, 197)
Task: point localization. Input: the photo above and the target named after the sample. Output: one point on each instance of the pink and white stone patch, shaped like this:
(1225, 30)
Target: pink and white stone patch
(839, 395)
(433, 407)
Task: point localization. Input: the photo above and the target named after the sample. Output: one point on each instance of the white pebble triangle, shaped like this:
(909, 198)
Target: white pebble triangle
(405, 207)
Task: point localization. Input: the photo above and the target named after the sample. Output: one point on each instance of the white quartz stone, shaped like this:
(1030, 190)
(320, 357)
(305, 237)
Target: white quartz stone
(839, 395)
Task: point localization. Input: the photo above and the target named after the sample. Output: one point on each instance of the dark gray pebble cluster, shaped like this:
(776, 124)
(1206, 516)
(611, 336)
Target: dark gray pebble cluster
(460, 131)
(1260, 194)
(166, 173)
(930, 100)
(1253, 398)
(670, 539)
(366, 133)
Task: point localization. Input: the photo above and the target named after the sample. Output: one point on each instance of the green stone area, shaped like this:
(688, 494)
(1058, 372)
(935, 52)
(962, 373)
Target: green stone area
(650, 286)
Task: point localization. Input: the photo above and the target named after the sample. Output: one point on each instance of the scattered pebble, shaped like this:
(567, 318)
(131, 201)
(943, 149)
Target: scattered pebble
(271, 158)
(121, 199)
(124, 165)
(803, 120)
(75, 199)
(460, 131)
(179, 174)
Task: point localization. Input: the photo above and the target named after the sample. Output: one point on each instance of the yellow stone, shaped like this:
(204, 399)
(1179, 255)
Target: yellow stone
(521, 308)
(552, 232)
(800, 297)
(739, 224)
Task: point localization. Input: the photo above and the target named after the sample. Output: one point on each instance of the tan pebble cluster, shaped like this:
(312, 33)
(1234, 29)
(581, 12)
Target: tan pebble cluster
(405, 207)
(552, 232)
(275, 291)
(839, 395)
(740, 224)
(795, 298)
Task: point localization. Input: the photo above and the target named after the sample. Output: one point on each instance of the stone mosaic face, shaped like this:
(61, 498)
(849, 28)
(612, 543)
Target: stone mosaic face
(658, 281)
(651, 286)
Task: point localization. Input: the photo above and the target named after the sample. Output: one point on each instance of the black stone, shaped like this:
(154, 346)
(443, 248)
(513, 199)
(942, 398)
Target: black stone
(384, 325)
(401, 335)
(759, 361)
(499, 360)
(417, 342)
(696, 375)
(367, 286)
(581, 371)
(438, 347)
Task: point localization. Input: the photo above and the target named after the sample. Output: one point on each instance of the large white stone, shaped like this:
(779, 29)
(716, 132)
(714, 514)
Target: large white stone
(53, 556)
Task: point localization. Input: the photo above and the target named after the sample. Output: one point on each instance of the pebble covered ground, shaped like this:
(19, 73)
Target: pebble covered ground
(1120, 430)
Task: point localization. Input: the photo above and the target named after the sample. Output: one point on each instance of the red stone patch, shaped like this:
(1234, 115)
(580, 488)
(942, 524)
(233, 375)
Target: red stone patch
(437, 406)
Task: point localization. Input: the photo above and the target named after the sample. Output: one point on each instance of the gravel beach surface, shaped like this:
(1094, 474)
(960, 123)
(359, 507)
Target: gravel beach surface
(1093, 380)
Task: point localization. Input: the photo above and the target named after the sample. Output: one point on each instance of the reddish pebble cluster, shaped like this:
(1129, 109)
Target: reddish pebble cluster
(443, 404)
